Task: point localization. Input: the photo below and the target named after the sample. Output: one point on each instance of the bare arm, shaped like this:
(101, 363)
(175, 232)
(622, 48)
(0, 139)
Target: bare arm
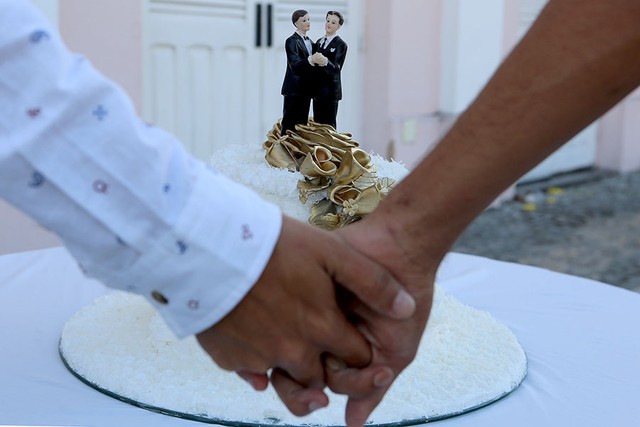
(578, 60)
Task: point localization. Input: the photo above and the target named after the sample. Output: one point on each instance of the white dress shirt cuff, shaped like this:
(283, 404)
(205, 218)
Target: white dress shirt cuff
(196, 274)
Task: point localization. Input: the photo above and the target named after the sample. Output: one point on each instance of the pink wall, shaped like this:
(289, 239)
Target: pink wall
(619, 134)
(511, 26)
(401, 75)
(377, 46)
(109, 34)
(414, 59)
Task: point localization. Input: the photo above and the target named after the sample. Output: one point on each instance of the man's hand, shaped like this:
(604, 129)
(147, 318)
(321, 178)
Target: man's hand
(291, 317)
(394, 342)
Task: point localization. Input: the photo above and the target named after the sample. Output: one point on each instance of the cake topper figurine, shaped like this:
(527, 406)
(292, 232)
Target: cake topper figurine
(298, 84)
(327, 82)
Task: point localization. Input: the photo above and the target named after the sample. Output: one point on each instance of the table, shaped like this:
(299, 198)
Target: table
(582, 340)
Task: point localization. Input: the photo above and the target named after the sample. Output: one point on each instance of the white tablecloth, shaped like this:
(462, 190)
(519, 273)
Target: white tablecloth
(582, 340)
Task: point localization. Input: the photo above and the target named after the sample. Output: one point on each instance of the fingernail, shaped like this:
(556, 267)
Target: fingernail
(404, 305)
(335, 364)
(383, 378)
(315, 405)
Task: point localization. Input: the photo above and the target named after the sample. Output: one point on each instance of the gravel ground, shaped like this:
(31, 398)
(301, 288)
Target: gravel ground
(585, 223)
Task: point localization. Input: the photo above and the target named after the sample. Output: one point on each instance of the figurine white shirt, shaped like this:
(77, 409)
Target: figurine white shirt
(134, 208)
(307, 41)
(326, 41)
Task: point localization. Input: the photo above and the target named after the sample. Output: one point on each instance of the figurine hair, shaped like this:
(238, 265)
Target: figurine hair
(297, 15)
(338, 14)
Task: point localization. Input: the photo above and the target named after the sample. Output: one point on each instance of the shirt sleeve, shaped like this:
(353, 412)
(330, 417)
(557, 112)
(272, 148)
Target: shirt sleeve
(132, 206)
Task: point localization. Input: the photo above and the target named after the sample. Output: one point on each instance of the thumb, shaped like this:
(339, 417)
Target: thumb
(372, 284)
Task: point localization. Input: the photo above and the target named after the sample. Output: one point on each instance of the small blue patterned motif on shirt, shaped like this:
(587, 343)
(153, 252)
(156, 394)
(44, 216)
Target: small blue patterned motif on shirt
(37, 179)
(100, 112)
(38, 36)
(166, 188)
(182, 247)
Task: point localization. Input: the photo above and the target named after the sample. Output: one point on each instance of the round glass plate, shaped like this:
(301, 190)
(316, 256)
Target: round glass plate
(120, 347)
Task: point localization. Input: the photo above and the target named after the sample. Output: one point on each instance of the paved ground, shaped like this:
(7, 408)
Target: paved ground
(585, 223)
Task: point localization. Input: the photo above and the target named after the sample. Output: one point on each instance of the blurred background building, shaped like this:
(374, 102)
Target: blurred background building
(210, 71)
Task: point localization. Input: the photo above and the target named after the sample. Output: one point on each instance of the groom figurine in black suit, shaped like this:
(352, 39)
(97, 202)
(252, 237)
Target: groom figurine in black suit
(298, 84)
(328, 81)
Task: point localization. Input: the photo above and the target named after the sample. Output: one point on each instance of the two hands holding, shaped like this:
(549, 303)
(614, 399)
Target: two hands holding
(344, 309)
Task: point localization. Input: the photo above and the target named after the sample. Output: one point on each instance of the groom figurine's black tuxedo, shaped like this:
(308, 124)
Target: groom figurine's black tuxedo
(328, 80)
(298, 84)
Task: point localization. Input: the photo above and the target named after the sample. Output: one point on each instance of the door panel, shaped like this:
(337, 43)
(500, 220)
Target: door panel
(198, 59)
(211, 79)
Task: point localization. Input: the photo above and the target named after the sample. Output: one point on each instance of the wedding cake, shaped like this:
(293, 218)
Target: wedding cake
(119, 345)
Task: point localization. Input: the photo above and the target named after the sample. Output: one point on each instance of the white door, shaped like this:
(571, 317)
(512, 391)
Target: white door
(199, 62)
(214, 68)
(578, 153)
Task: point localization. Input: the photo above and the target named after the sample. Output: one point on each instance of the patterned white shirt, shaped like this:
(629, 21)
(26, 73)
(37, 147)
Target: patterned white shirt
(134, 208)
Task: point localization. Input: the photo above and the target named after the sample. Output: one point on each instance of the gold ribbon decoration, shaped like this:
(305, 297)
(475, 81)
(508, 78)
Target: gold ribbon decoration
(332, 162)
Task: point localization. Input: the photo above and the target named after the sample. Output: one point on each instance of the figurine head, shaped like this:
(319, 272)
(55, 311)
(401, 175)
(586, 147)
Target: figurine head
(333, 22)
(301, 21)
